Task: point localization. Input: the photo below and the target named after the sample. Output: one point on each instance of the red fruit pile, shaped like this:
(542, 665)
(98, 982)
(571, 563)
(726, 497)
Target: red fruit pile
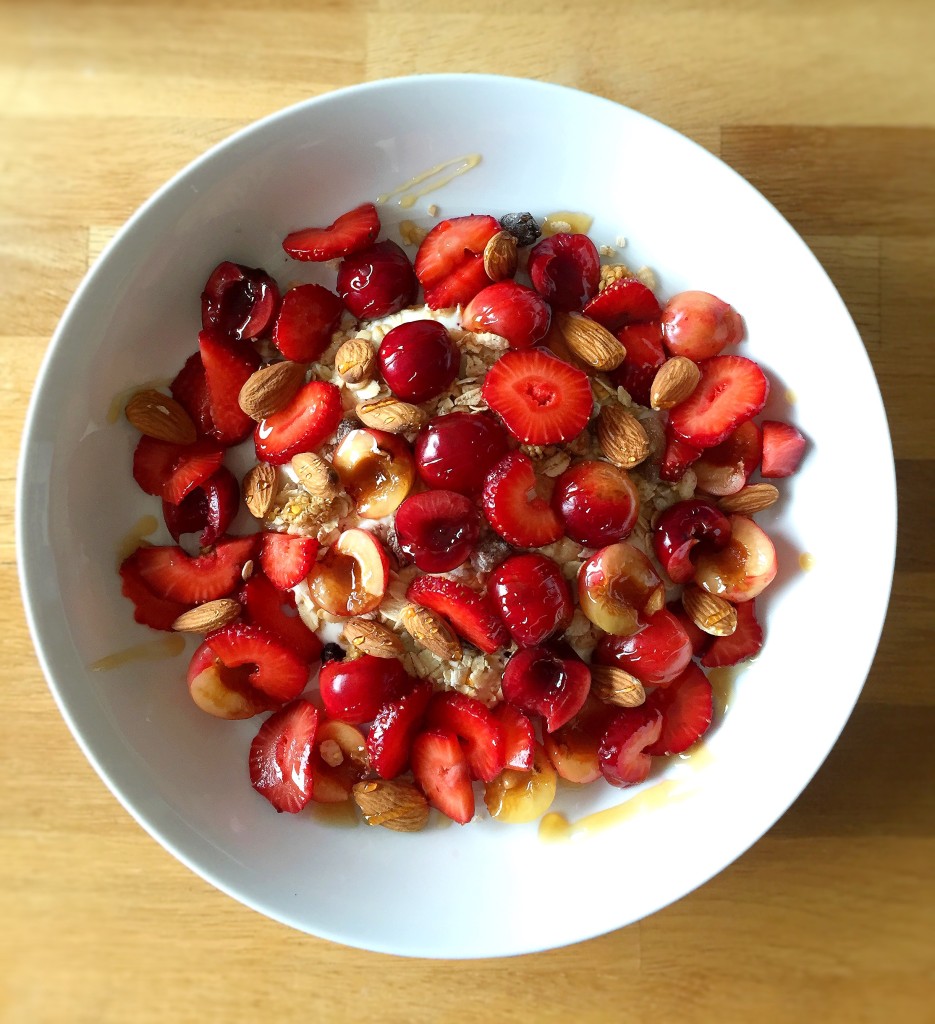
(465, 560)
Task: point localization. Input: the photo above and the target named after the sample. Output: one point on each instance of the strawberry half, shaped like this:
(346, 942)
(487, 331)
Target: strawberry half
(390, 738)
(276, 670)
(686, 706)
(731, 391)
(274, 610)
(208, 509)
(441, 769)
(149, 609)
(309, 315)
(286, 558)
(540, 398)
(519, 737)
(645, 355)
(450, 260)
(677, 457)
(190, 390)
(520, 520)
(624, 750)
(227, 366)
(171, 471)
(623, 302)
(301, 426)
(280, 756)
(743, 643)
(351, 232)
(473, 723)
(170, 573)
(470, 614)
(783, 448)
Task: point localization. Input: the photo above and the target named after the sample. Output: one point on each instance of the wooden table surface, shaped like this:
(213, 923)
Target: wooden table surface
(829, 109)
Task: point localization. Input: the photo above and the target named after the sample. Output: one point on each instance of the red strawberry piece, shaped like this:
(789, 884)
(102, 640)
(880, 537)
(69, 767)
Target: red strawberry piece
(208, 508)
(286, 558)
(190, 390)
(540, 398)
(304, 424)
(394, 728)
(645, 355)
(726, 468)
(274, 610)
(677, 457)
(656, 653)
(440, 767)
(169, 572)
(623, 302)
(355, 691)
(624, 751)
(686, 705)
(520, 520)
(565, 270)
(308, 317)
(699, 639)
(731, 391)
(532, 596)
(275, 669)
(171, 471)
(280, 756)
(511, 311)
(473, 723)
(450, 260)
(470, 614)
(549, 681)
(150, 610)
(377, 281)
(519, 737)
(783, 448)
(683, 526)
(227, 367)
(351, 232)
(238, 301)
(743, 643)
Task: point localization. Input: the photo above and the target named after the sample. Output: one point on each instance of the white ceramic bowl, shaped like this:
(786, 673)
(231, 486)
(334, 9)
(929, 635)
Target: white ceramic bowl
(487, 889)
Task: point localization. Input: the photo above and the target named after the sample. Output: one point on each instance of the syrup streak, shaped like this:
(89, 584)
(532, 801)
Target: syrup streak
(165, 647)
(119, 401)
(806, 561)
(133, 539)
(409, 197)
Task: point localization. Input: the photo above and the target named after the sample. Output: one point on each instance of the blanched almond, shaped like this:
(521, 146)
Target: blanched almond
(207, 616)
(750, 499)
(355, 361)
(431, 632)
(270, 388)
(157, 415)
(590, 342)
(259, 489)
(709, 612)
(369, 637)
(393, 804)
(675, 380)
(500, 256)
(391, 415)
(622, 437)
(616, 686)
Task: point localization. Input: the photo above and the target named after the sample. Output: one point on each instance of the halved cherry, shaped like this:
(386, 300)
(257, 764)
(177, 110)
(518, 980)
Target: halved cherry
(699, 325)
(573, 749)
(377, 281)
(209, 508)
(547, 682)
(597, 502)
(275, 611)
(626, 301)
(440, 767)
(303, 425)
(437, 529)
(511, 311)
(352, 577)
(471, 615)
(744, 568)
(173, 471)
(624, 750)
(617, 587)
(726, 468)
(395, 725)
(519, 737)
(532, 596)
(239, 301)
(656, 653)
(222, 691)
(474, 724)
(339, 759)
(354, 690)
(349, 233)
(274, 669)
(565, 270)
(683, 526)
(686, 706)
(376, 469)
(308, 317)
(515, 796)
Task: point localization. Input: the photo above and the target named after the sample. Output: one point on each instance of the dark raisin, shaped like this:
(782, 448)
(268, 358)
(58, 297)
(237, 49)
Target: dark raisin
(391, 542)
(332, 652)
(522, 226)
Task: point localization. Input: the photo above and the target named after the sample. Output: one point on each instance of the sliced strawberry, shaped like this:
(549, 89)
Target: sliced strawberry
(309, 315)
(441, 769)
(275, 611)
(190, 390)
(783, 448)
(351, 232)
(301, 426)
(169, 572)
(281, 754)
(686, 706)
(699, 639)
(527, 522)
(677, 457)
(473, 723)
(208, 509)
(287, 558)
(454, 249)
(276, 670)
(393, 730)
(227, 367)
(519, 737)
(623, 302)
(171, 471)
(540, 398)
(726, 468)
(150, 610)
(645, 355)
(743, 643)
(731, 391)
(470, 614)
(624, 751)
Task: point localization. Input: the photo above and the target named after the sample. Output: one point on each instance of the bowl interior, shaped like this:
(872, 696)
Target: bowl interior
(487, 889)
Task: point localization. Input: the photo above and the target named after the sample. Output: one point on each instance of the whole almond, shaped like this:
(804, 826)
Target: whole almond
(317, 474)
(709, 612)
(393, 804)
(590, 342)
(622, 437)
(259, 489)
(369, 637)
(391, 415)
(675, 380)
(431, 632)
(355, 361)
(500, 256)
(615, 686)
(270, 389)
(750, 499)
(205, 617)
(157, 415)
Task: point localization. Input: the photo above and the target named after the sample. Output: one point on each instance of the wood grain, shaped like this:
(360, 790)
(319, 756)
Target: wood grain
(830, 110)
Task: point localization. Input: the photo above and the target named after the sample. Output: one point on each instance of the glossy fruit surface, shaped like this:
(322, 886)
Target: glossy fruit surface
(533, 598)
(598, 503)
(272, 667)
(687, 707)
(476, 727)
(544, 682)
(227, 366)
(623, 753)
(339, 759)
(354, 690)
(274, 610)
(514, 506)
(565, 270)
(171, 573)
(239, 301)
(309, 315)
(731, 391)
(418, 360)
(681, 528)
(470, 614)
(441, 771)
(352, 576)
(455, 452)
(437, 529)
(573, 749)
(515, 796)
(221, 691)
(726, 468)
(173, 471)
(209, 508)
(656, 653)
(510, 310)
(394, 727)
(626, 301)
(645, 355)
(377, 470)
(303, 425)
(783, 449)
(743, 643)
(280, 756)
(450, 260)
(377, 281)
(699, 325)
(519, 736)
(286, 558)
(742, 569)
(618, 588)
(349, 233)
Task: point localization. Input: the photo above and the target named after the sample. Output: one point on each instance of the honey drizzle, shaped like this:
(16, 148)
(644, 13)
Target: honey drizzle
(143, 527)
(553, 223)
(166, 647)
(555, 826)
(119, 401)
(806, 561)
(408, 197)
(339, 815)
